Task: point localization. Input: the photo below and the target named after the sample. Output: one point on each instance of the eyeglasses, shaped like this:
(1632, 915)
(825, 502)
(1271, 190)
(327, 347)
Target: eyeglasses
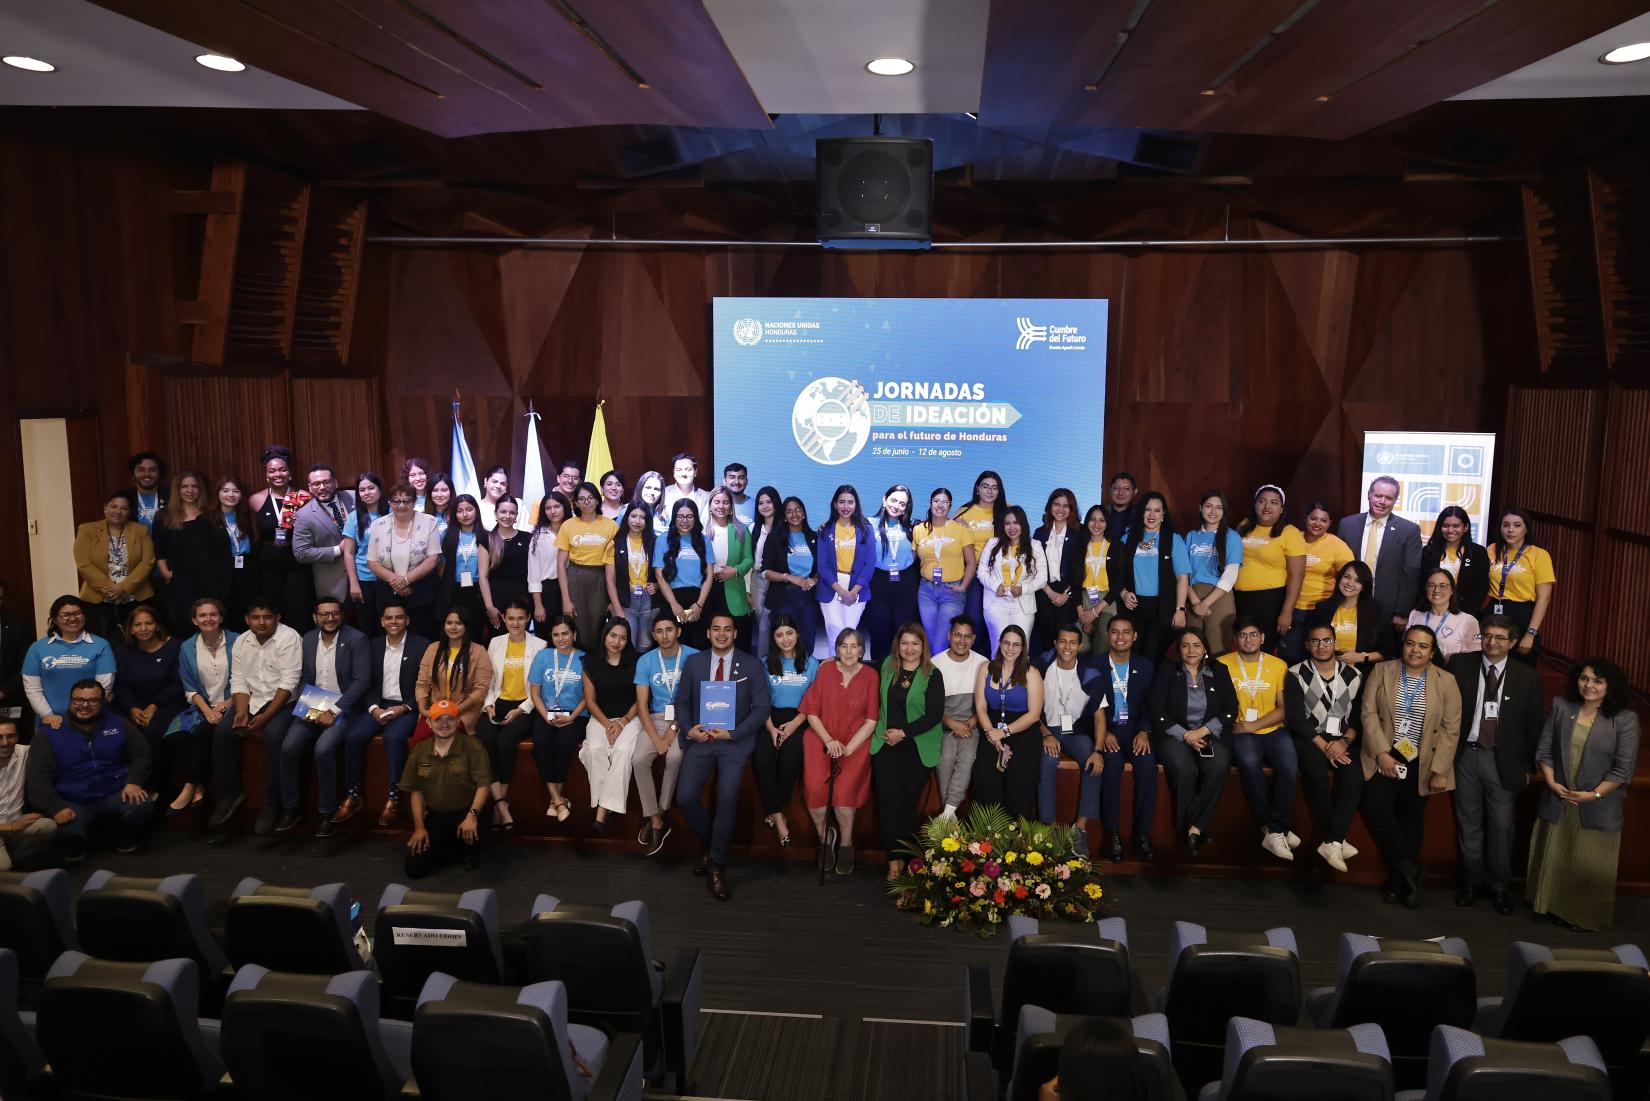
(401, 500)
(1320, 642)
(1496, 637)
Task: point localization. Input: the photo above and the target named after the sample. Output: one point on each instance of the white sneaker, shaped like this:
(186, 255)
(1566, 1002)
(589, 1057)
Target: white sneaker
(1332, 853)
(1347, 850)
(1278, 846)
(1294, 842)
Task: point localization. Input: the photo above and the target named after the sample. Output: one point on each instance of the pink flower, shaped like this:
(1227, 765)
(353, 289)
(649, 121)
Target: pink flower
(992, 869)
(977, 888)
(1065, 873)
(915, 866)
(1044, 890)
(974, 847)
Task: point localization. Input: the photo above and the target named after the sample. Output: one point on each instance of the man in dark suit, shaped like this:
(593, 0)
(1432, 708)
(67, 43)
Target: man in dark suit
(1123, 728)
(15, 638)
(318, 532)
(389, 709)
(1501, 713)
(723, 751)
(335, 659)
(1390, 546)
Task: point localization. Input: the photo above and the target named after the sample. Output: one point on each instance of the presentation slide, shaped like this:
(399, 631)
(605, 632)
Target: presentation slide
(811, 393)
(1435, 469)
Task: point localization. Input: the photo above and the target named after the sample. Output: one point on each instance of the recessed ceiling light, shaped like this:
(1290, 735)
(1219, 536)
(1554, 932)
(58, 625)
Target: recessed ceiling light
(221, 63)
(32, 64)
(1621, 55)
(889, 66)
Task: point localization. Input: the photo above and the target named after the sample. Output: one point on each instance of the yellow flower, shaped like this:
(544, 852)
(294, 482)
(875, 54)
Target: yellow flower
(927, 906)
(1092, 890)
(1010, 856)
(950, 844)
(1034, 858)
(1074, 864)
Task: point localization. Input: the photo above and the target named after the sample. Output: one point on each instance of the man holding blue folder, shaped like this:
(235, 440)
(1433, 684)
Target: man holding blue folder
(724, 694)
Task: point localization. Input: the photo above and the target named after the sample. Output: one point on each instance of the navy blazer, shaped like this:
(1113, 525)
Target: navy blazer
(751, 701)
(1141, 673)
(412, 652)
(354, 674)
(1071, 559)
(865, 560)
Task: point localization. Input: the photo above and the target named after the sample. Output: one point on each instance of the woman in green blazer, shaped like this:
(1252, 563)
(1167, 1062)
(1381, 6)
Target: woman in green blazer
(905, 746)
(735, 554)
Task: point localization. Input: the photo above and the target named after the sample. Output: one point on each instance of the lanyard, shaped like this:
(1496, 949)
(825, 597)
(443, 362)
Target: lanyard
(1426, 617)
(1061, 698)
(671, 676)
(1119, 678)
(1013, 569)
(1506, 568)
(147, 509)
(636, 562)
(560, 675)
(1002, 691)
(1260, 667)
(1407, 694)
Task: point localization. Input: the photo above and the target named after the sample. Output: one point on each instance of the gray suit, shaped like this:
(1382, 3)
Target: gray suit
(315, 537)
(1397, 566)
(1611, 753)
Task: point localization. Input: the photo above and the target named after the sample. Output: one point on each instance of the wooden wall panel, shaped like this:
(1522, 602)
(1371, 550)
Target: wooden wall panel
(1566, 628)
(336, 420)
(1549, 458)
(1621, 593)
(1624, 504)
(218, 424)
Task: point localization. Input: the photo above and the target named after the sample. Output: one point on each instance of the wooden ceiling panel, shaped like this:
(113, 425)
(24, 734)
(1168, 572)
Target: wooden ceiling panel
(1374, 62)
(458, 68)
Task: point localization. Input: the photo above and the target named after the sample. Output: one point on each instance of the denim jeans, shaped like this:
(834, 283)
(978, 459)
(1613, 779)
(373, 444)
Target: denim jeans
(936, 604)
(1251, 753)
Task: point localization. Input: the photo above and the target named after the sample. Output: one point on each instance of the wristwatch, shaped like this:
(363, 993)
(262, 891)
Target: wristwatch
(1596, 795)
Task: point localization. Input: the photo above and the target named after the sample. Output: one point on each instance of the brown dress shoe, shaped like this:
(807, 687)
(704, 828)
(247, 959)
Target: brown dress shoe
(391, 811)
(718, 879)
(350, 807)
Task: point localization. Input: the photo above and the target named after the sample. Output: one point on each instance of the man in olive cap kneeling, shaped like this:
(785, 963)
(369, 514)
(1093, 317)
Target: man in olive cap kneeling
(447, 777)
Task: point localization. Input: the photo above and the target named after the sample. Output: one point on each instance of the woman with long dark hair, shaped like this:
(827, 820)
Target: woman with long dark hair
(631, 591)
(1216, 553)
(767, 508)
(416, 473)
(946, 561)
(506, 576)
(1450, 548)
(611, 732)
(1363, 637)
(438, 501)
(584, 550)
(681, 566)
(650, 491)
(1096, 600)
(733, 556)
(980, 516)
(1062, 542)
(466, 556)
(455, 667)
(1012, 571)
(849, 557)
(1439, 613)
(507, 711)
(1521, 582)
(1008, 704)
(905, 746)
(149, 687)
(544, 556)
(1153, 575)
(370, 504)
(789, 563)
(556, 686)
(495, 487)
(231, 568)
(1274, 561)
(894, 580)
(776, 760)
(182, 545)
(1194, 705)
(1326, 555)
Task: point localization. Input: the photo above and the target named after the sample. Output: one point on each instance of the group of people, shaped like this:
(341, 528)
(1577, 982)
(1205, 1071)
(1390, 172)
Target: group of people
(1356, 660)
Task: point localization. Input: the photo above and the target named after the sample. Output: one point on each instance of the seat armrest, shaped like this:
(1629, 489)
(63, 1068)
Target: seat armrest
(620, 1078)
(979, 1010)
(679, 1004)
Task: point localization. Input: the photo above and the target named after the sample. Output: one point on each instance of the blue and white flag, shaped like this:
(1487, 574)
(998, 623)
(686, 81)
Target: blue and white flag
(532, 467)
(463, 467)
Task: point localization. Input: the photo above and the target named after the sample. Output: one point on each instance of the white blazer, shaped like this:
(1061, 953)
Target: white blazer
(495, 654)
(997, 574)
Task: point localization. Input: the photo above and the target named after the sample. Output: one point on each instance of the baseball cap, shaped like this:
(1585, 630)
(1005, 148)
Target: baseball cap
(443, 707)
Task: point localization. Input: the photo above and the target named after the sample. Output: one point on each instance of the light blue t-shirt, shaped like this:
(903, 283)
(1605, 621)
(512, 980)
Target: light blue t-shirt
(354, 529)
(661, 677)
(1200, 547)
(560, 678)
(898, 555)
(786, 689)
(745, 511)
(690, 572)
(468, 561)
(799, 555)
(59, 665)
(1145, 562)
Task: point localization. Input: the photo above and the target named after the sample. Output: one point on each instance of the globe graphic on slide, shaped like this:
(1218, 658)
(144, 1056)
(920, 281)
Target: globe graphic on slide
(831, 420)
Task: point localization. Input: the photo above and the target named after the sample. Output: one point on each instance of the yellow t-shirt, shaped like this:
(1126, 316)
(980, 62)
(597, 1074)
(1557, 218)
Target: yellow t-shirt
(1265, 558)
(1259, 684)
(978, 519)
(1094, 565)
(1325, 560)
(636, 561)
(588, 542)
(944, 545)
(513, 685)
(1345, 622)
(1524, 572)
(845, 536)
(1010, 565)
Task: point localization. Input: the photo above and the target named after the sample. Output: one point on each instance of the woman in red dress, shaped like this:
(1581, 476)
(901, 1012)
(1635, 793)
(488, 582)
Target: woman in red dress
(841, 706)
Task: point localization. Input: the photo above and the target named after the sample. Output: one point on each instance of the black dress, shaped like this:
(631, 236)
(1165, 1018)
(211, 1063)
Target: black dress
(186, 550)
(507, 580)
(287, 581)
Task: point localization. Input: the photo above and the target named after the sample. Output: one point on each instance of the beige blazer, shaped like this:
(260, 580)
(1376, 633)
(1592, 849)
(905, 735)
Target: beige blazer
(470, 694)
(91, 558)
(1440, 730)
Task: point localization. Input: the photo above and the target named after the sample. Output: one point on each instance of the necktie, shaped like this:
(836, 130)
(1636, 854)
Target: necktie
(337, 513)
(1492, 693)
(719, 673)
(1372, 542)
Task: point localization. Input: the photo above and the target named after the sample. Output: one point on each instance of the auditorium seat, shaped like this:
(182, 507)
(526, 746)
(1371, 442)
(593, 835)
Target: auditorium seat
(301, 930)
(480, 1042)
(1217, 976)
(1464, 1066)
(114, 1029)
(1553, 993)
(1075, 970)
(605, 960)
(34, 923)
(1265, 1062)
(1037, 1054)
(312, 1036)
(418, 933)
(1408, 987)
(20, 1057)
(140, 920)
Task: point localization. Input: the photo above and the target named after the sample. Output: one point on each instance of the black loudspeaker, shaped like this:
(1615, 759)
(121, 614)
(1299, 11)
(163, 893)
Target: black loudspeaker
(875, 192)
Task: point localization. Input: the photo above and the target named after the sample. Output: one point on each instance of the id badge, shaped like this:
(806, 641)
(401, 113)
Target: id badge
(1094, 596)
(1492, 710)
(1065, 724)
(670, 712)
(280, 536)
(939, 576)
(1251, 714)
(240, 561)
(1401, 729)
(638, 590)
(466, 580)
(1332, 727)
(1122, 714)
(1499, 608)
(559, 713)
(893, 574)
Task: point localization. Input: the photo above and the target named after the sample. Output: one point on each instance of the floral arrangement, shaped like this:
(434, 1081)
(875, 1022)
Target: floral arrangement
(979, 872)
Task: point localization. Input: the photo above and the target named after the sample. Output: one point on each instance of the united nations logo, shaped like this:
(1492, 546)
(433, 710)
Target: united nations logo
(747, 331)
(831, 420)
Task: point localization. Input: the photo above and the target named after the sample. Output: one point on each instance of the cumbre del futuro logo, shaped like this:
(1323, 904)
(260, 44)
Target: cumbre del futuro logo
(1030, 334)
(1056, 338)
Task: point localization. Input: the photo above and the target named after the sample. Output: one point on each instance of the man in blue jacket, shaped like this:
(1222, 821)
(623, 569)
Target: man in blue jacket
(336, 659)
(90, 770)
(1123, 729)
(724, 751)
